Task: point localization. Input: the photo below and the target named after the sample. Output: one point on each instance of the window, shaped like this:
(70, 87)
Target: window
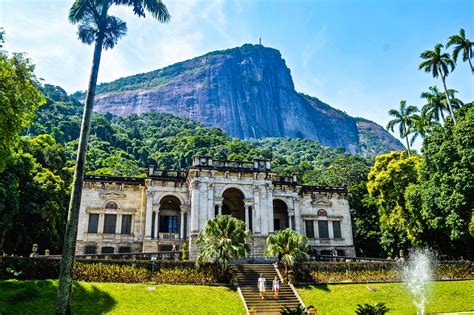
(109, 223)
(107, 250)
(90, 250)
(126, 224)
(336, 227)
(323, 229)
(169, 224)
(93, 223)
(309, 228)
(124, 249)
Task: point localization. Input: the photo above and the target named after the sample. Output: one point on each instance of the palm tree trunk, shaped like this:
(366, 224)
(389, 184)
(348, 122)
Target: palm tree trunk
(408, 145)
(63, 302)
(442, 115)
(470, 63)
(447, 97)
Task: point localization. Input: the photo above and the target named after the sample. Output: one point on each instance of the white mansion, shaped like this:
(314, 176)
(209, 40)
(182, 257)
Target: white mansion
(125, 214)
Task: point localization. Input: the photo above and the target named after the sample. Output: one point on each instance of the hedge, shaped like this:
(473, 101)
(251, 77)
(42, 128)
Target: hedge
(127, 271)
(340, 272)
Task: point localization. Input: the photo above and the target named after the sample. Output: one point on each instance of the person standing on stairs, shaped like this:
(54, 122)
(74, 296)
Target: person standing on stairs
(261, 285)
(276, 287)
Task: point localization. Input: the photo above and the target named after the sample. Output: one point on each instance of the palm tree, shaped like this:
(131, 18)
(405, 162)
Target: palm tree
(421, 125)
(438, 64)
(436, 103)
(288, 245)
(404, 119)
(461, 44)
(222, 239)
(94, 26)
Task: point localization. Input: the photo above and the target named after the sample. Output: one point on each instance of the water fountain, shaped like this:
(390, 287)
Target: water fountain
(418, 275)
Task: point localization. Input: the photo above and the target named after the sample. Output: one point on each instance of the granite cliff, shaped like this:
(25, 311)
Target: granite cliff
(248, 92)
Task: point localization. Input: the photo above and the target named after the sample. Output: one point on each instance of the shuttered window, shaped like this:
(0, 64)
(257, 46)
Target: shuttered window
(309, 228)
(323, 229)
(126, 224)
(109, 223)
(336, 227)
(93, 223)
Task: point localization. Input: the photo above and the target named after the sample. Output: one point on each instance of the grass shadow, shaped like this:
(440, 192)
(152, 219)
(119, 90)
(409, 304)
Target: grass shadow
(323, 287)
(39, 297)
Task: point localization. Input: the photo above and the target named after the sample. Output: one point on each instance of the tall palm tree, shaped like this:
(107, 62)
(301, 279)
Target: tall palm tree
(288, 245)
(403, 118)
(461, 44)
(438, 64)
(436, 103)
(222, 239)
(94, 26)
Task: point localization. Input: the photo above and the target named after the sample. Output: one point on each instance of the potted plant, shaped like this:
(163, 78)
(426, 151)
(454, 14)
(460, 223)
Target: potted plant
(252, 310)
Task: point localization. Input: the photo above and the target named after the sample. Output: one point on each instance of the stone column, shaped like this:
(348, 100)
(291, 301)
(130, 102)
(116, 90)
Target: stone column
(219, 209)
(118, 224)
(298, 220)
(181, 225)
(157, 222)
(100, 228)
(247, 223)
(290, 225)
(256, 213)
(148, 214)
(330, 229)
(194, 207)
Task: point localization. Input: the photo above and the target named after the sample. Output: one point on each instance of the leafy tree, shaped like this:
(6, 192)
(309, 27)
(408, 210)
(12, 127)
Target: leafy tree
(19, 99)
(387, 182)
(365, 221)
(33, 196)
(444, 196)
(95, 26)
(461, 44)
(404, 119)
(222, 239)
(438, 64)
(288, 245)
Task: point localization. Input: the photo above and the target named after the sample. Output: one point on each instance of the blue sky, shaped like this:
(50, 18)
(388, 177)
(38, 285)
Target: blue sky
(358, 56)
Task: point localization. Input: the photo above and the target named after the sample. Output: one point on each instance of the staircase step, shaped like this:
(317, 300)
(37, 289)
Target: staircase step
(246, 275)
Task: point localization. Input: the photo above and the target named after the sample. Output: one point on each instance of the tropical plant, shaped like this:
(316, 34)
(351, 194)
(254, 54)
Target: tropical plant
(404, 119)
(438, 64)
(436, 103)
(223, 239)
(95, 26)
(289, 246)
(298, 310)
(421, 126)
(376, 309)
(461, 44)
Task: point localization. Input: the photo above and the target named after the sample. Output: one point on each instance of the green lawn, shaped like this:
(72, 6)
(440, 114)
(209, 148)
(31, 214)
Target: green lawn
(38, 297)
(445, 296)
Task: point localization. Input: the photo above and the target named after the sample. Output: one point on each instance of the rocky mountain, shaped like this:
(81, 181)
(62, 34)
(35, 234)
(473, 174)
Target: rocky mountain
(248, 92)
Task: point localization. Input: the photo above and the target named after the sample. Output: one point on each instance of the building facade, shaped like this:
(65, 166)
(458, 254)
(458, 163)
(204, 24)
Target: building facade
(168, 208)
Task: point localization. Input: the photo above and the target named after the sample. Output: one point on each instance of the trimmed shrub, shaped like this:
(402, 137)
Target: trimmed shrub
(339, 272)
(127, 271)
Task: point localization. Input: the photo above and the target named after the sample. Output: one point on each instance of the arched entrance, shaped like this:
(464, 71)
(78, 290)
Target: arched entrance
(168, 221)
(233, 203)
(280, 215)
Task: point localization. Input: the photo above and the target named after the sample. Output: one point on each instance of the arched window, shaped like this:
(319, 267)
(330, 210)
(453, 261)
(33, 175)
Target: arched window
(322, 213)
(111, 205)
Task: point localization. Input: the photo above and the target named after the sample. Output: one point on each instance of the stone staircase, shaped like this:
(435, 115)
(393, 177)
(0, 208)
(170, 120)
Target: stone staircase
(247, 275)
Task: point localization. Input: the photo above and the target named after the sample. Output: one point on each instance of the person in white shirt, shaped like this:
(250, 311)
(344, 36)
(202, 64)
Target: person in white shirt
(276, 287)
(261, 285)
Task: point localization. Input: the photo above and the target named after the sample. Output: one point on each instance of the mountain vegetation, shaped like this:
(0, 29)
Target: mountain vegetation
(248, 92)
